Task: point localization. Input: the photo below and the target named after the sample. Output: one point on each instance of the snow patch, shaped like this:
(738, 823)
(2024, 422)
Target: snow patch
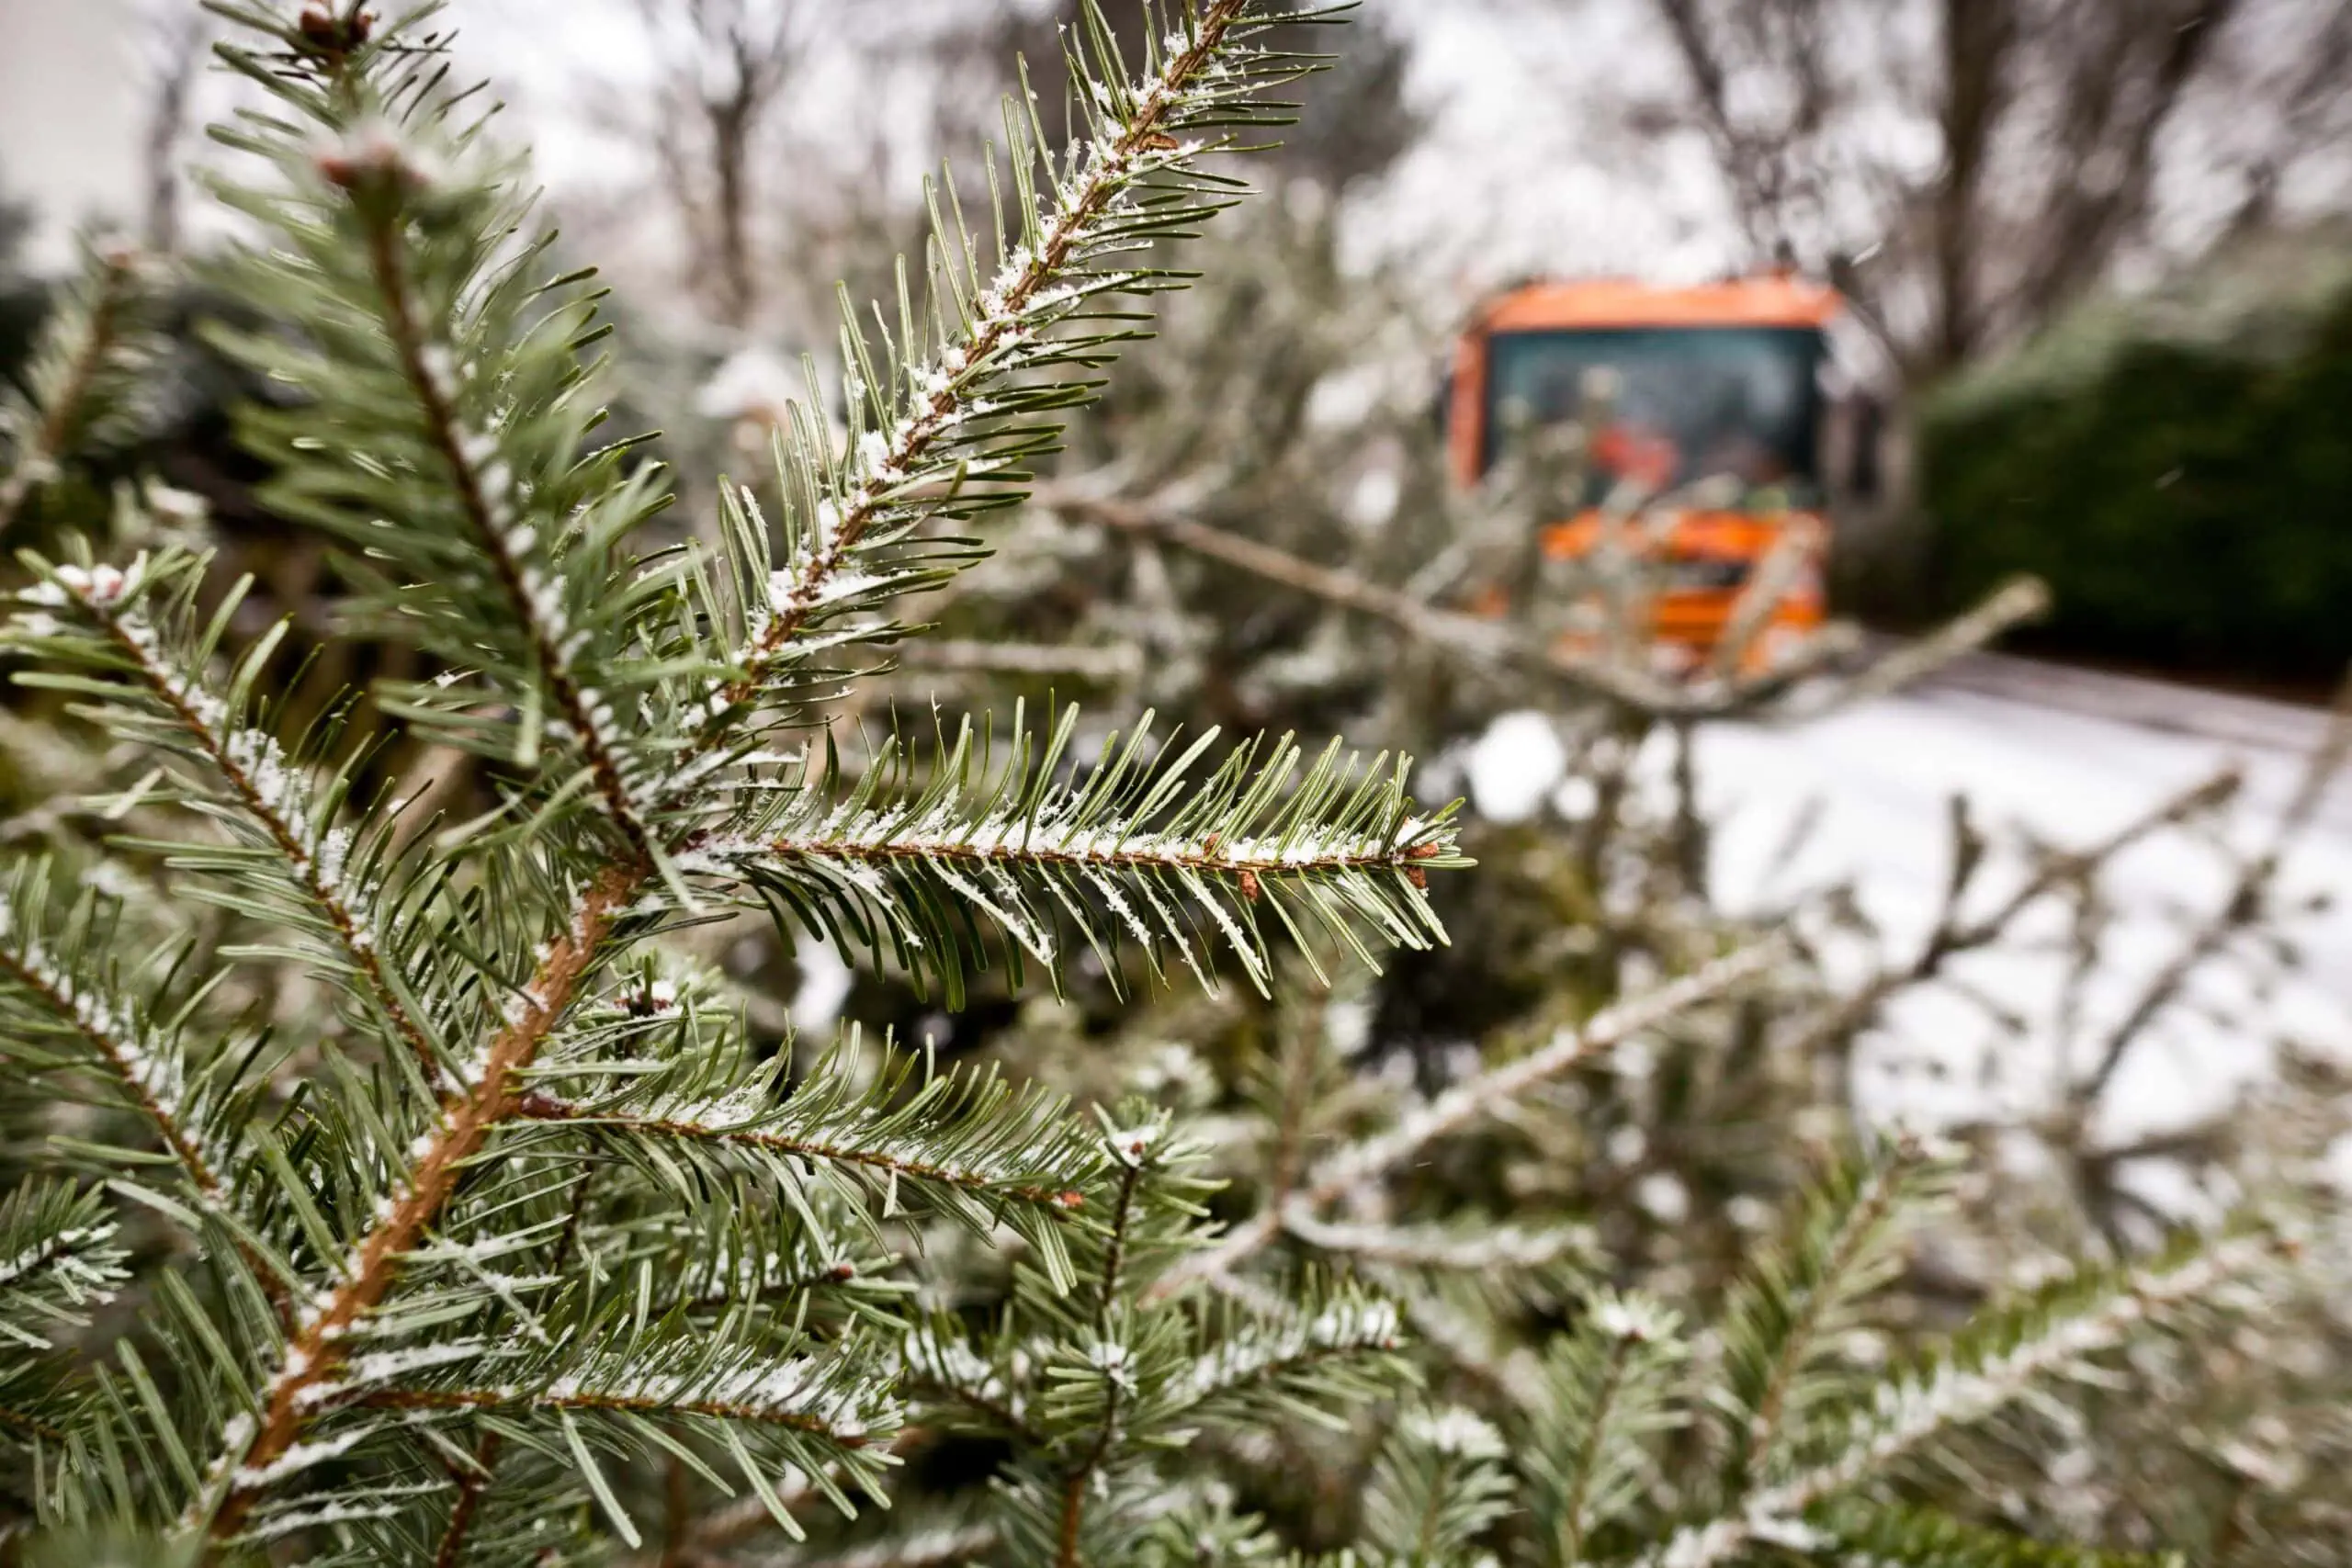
(825, 982)
(1515, 766)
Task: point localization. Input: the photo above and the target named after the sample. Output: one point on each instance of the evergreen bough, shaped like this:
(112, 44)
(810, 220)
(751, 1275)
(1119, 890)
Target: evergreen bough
(529, 1213)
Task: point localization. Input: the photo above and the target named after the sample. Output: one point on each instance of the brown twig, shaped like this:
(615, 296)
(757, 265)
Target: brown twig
(2242, 906)
(1489, 644)
(31, 1425)
(1954, 934)
(467, 1121)
(444, 431)
(1350, 1167)
(472, 1484)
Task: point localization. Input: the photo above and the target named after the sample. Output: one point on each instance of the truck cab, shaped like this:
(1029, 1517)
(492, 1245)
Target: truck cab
(1713, 391)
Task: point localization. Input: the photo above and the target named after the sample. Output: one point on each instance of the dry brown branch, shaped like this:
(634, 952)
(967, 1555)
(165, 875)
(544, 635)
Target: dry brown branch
(1373, 1159)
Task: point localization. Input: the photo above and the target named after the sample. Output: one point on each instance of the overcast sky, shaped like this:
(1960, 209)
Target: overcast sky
(69, 110)
(1498, 188)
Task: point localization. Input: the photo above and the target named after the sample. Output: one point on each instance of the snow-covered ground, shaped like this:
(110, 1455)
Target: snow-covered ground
(2066, 757)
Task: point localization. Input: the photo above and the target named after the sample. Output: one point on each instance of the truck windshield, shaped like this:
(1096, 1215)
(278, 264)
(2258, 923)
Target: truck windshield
(1674, 404)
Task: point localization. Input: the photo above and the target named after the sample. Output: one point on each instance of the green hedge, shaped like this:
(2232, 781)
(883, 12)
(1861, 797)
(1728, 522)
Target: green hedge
(2179, 470)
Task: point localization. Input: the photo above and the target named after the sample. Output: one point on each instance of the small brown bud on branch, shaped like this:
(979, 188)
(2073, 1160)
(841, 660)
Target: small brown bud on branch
(330, 36)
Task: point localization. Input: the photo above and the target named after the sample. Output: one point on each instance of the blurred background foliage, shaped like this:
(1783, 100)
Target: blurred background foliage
(2176, 464)
(2101, 267)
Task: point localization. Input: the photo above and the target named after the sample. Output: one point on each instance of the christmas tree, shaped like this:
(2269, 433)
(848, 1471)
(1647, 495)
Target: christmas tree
(520, 1244)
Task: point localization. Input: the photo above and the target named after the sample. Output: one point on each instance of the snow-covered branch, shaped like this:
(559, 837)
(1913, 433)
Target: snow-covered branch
(1974, 1381)
(276, 793)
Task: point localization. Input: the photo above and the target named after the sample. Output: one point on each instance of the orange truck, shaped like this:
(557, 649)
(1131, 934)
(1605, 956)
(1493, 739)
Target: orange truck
(1723, 382)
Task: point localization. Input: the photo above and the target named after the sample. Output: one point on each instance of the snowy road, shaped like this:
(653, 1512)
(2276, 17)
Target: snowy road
(2069, 757)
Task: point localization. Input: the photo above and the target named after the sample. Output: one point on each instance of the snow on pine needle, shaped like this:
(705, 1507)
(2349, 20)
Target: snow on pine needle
(1128, 855)
(952, 395)
(141, 658)
(526, 1231)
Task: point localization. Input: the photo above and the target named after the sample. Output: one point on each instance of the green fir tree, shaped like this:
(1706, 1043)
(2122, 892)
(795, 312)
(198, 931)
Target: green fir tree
(520, 1245)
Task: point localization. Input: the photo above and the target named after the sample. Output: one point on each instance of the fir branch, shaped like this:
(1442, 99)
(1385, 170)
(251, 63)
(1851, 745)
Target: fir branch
(1998, 1360)
(939, 1359)
(1071, 1531)
(1133, 1159)
(275, 793)
(59, 1258)
(1286, 1091)
(475, 1475)
(807, 1405)
(483, 485)
(1122, 853)
(742, 1521)
(966, 1145)
(795, 1246)
(558, 981)
(492, 1097)
(423, 320)
(1447, 1324)
(1475, 1246)
(1889, 1536)
(974, 1135)
(1265, 1357)
(1570, 1049)
(62, 1006)
(88, 352)
(1087, 220)
(46, 972)
(494, 1092)
(656, 1397)
(1437, 1486)
(1796, 1301)
(1608, 1386)
(777, 1287)
(506, 558)
(875, 840)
